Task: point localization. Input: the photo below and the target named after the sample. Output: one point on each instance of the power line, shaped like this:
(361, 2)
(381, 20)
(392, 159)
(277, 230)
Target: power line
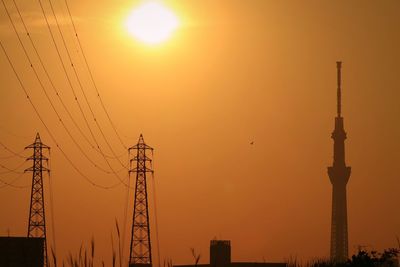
(12, 133)
(91, 76)
(12, 183)
(155, 208)
(54, 250)
(48, 130)
(126, 212)
(14, 154)
(81, 87)
(51, 81)
(66, 73)
(45, 92)
(113, 171)
(14, 170)
(64, 68)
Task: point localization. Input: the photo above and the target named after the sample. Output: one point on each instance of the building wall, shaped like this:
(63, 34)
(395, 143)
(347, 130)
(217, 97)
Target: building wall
(220, 253)
(21, 252)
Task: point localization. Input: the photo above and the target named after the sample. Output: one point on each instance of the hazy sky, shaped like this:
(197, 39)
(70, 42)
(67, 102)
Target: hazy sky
(234, 72)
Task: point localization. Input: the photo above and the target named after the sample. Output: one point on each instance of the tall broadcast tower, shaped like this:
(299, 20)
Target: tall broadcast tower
(339, 175)
(140, 251)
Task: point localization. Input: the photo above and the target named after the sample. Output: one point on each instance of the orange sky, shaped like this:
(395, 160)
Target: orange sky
(234, 72)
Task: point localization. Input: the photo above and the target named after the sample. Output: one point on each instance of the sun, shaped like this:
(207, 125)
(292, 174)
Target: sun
(152, 23)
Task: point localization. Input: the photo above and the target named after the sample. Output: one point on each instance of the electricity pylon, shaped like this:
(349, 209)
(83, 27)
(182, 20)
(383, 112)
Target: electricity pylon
(140, 250)
(37, 219)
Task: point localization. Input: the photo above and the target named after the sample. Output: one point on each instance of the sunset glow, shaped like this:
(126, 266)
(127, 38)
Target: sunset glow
(199, 133)
(152, 23)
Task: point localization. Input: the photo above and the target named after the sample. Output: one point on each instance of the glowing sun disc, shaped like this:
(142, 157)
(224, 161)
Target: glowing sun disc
(152, 23)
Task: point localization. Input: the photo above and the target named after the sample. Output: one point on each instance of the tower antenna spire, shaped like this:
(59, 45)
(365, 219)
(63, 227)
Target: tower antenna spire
(339, 88)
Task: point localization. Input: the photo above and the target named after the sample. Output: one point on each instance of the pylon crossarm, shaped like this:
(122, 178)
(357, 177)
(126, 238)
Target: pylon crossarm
(33, 157)
(141, 157)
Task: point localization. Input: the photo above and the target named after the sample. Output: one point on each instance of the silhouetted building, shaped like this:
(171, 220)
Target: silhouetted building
(220, 253)
(21, 252)
(220, 256)
(339, 175)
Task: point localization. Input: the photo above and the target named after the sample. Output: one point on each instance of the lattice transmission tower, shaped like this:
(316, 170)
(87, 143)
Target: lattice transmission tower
(140, 250)
(37, 219)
